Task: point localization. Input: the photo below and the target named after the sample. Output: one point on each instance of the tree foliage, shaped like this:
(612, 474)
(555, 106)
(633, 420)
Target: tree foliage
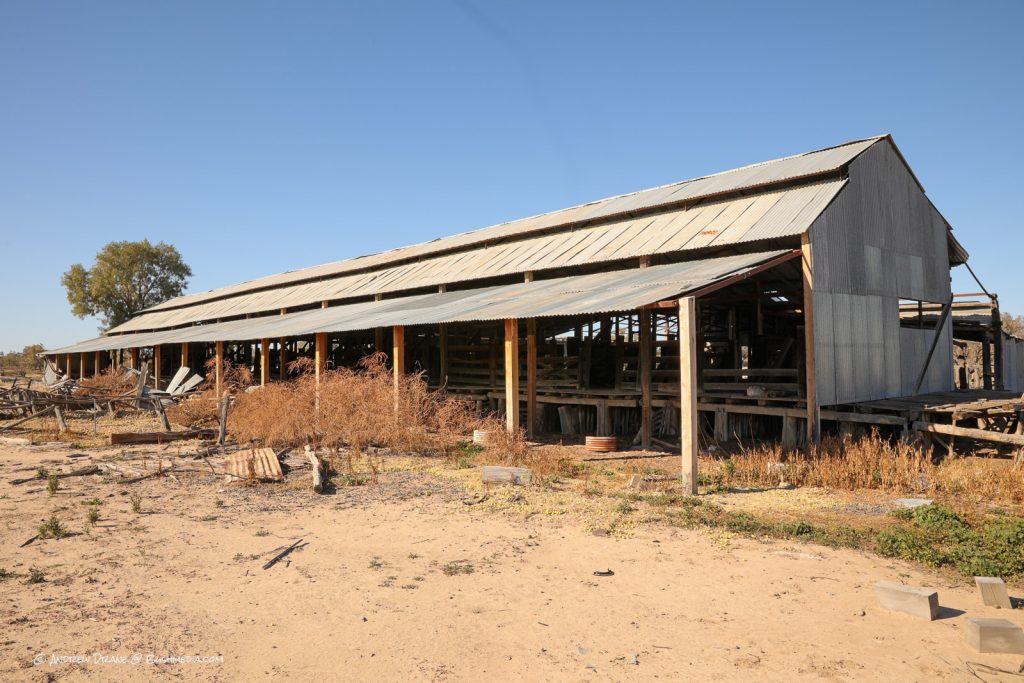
(1013, 325)
(126, 278)
(21, 362)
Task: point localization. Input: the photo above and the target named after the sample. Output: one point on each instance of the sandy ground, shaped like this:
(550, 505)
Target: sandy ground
(403, 581)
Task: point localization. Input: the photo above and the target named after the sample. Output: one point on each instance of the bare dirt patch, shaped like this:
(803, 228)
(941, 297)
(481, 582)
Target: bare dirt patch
(402, 579)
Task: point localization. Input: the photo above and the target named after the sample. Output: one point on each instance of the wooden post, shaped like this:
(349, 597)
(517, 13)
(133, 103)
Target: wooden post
(81, 366)
(97, 364)
(69, 369)
(264, 361)
(512, 374)
(443, 334)
(398, 361)
(282, 358)
(997, 343)
(688, 424)
(133, 358)
(219, 375)
(813, 409)
(531, 377)
(320, 355)
(156, 366)
(184, 355)
(644, 369)
(986, 361)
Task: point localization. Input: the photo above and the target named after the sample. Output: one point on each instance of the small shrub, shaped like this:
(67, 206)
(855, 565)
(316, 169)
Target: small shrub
(136, 503)
(376, 563)
(4, 574)
(35, 575)
(52, 528)
(92, 501)
(42, 473)
(624, 507)
(262, 532)
(219, 503)
(52, 484)
(457, 567)
(92, 515)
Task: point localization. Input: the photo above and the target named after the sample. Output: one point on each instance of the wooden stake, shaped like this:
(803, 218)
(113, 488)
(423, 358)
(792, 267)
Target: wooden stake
(531, 378)
(219, 375)
(813, 409)
(184, 355)
(320, 359)
(512, 374)
(688, 392)
(97, 364)
(81, 366)
(134, 358)
(264, 361)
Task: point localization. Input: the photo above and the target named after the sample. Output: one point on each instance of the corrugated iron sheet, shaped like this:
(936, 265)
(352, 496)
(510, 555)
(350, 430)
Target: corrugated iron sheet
(621, 290)
(707, 224)
(756, 175)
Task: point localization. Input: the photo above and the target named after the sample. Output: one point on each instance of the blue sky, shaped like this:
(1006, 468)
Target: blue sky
(264, 136)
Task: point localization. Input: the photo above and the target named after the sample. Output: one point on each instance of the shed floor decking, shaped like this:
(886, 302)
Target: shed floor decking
(962, 404)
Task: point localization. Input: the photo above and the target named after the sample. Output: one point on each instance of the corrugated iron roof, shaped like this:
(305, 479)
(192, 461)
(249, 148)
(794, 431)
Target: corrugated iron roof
(758, 175)
(622, 290)
(709, 223)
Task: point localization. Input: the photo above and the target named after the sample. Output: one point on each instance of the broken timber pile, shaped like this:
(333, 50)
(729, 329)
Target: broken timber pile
(257, 464)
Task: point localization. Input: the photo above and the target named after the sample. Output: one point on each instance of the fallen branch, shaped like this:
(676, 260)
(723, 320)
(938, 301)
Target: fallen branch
(128, 438)
(318, 477)
(281, 555)
(85, 471)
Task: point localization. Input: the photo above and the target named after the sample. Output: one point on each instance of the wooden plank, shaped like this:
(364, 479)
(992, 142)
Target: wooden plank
(398, 361)
(866, 418)
(813, 409)
(688, 422)
(743, 409)
(127, 438)
(967, 433)
(644, 368)
(512, 374)
(184, 355)
(531, 375)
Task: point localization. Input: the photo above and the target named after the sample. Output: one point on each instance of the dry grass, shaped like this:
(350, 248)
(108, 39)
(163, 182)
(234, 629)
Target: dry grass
(872, 463)
(110, 382)
(353, 410)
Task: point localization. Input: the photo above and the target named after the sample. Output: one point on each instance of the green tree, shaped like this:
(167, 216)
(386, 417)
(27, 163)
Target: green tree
(126, 278)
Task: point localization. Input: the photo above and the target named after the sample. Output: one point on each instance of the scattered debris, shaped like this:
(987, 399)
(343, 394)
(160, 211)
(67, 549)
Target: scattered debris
(85, 471)
(475, 500)
(606, 572)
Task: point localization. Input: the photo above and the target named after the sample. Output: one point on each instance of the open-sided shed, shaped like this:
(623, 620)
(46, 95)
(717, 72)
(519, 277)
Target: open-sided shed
(748, 300)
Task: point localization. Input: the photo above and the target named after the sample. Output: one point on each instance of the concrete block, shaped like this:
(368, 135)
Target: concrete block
(507, 475)
(995, 636)
(993, 591)
(919, 602)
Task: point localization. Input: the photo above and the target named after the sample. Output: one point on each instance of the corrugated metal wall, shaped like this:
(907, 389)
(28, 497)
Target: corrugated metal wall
(879, 241)
(1013, 363)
